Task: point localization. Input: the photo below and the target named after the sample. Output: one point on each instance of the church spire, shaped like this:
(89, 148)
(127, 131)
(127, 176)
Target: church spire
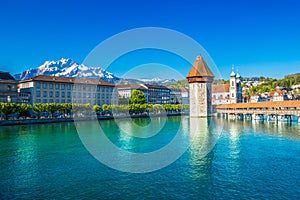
(232, 73)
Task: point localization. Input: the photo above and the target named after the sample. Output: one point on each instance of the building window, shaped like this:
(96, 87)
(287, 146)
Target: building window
(69, 94)
(232, 95)
(63, 94)
(38, 85)
(63, 86)
(51, 94)
(56, 94)
(44, 93)
(38, 100)
(51, 85)
(50, 100)
(69, 87)
(56, 100)
(45, 85)
(57, 86)
(9, 88)
(44, 100)
(232, 83)
(38, 93)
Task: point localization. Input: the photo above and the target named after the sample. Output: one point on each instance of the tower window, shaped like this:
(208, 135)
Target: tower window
(232, 95)
(232, 83)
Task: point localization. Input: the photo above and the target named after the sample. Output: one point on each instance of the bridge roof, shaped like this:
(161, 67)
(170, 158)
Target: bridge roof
(271, 104)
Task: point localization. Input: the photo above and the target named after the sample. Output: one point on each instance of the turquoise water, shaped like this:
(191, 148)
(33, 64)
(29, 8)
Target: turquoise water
(249, 160)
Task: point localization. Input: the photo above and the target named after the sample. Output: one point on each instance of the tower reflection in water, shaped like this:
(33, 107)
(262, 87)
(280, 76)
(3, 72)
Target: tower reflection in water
(204, 133)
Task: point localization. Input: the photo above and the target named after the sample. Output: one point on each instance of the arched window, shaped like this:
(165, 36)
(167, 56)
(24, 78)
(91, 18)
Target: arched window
(232, 95)
(232, 83)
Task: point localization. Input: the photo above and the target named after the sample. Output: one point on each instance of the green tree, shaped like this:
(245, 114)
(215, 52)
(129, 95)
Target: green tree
(137, 97)
(158, 107)
(23, 109)
(52, 108)
(38, 108)
(97, 108)
(8, 109)
(106, 107)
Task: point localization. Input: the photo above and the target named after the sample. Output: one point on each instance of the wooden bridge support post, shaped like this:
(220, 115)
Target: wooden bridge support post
(291, 119)
(261, 117)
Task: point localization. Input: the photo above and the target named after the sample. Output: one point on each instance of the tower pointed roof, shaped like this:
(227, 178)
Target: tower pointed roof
(200, 71)
(232, 74)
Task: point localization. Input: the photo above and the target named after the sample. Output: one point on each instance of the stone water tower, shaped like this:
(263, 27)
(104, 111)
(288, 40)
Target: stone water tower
(200, 80)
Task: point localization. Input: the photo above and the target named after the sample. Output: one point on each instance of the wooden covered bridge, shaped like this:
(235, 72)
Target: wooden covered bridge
(271, 111)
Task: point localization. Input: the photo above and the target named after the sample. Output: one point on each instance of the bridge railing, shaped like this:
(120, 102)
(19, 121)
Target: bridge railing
(260, 112)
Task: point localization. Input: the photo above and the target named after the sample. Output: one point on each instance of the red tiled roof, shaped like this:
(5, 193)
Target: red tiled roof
(218, 88)
(183, 89)
(132, 86)
(67, 80)
(200, 69)
(156, 86)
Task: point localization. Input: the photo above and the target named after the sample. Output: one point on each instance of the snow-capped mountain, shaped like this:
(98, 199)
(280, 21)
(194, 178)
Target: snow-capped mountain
(67, 68)
(157, 81)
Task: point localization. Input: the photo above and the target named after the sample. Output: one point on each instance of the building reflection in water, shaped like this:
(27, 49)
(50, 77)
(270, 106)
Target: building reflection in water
(26, 162)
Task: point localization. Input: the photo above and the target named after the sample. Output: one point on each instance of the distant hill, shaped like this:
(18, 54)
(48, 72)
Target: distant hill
(184, 83)
(178, 84)
(270, 84)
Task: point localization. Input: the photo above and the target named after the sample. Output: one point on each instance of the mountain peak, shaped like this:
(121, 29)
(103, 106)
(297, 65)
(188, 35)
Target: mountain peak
(66, 67)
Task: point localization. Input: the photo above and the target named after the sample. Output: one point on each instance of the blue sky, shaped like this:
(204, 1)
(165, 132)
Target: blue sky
(260, 37)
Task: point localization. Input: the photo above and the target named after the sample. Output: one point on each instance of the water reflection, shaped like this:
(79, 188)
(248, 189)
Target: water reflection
(204, 134)
(290, 130)
(25, 163)
(250, 159)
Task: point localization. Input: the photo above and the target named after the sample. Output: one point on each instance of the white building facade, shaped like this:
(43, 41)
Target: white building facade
(50, 89)
(228, 93)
